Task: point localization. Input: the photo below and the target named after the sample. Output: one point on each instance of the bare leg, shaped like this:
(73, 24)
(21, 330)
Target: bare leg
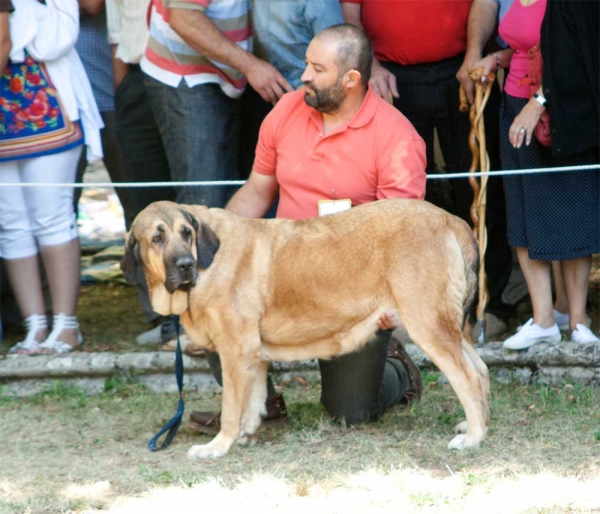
(537, 276)
(24, 276)
(62, 263)
(576, 275)
(561, 303)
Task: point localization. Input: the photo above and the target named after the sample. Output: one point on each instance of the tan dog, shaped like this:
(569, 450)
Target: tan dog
(262, 290)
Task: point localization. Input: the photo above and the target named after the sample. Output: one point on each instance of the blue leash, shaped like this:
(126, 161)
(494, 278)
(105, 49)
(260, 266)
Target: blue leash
(173, 424)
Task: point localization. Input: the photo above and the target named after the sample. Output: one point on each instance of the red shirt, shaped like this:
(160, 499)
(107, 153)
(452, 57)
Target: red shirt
(377, 155)
(415, 31)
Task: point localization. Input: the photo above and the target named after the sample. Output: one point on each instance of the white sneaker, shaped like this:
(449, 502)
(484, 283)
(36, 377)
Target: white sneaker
(583, 335)
(531, 334)
(562, 320)
(150, 337)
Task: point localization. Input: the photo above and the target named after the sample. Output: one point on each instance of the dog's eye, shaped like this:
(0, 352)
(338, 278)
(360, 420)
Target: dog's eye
(186, 233)
(157, 238)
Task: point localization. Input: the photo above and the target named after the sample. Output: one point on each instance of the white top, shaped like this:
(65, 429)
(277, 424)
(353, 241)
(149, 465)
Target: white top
(128, 28)
(49, 33)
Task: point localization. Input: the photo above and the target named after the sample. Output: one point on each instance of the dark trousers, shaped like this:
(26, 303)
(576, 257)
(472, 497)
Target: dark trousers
(200, 129)
(429, 99)
(356, 388)
(144, 160)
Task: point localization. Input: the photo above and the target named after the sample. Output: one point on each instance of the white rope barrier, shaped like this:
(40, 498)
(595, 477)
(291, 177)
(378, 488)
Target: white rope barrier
(209, 183)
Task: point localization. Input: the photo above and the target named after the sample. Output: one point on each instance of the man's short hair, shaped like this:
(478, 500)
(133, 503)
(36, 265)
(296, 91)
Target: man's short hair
(355, 51)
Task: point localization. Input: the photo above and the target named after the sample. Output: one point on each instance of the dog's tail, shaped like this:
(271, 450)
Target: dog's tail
(470, 253)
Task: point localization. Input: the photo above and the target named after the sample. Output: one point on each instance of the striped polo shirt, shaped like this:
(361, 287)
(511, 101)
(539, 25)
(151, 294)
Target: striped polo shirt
(169, 59)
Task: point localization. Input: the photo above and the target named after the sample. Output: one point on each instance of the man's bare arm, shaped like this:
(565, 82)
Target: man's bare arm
(5, 41)
(91, 7)
(120, 68)
(382, 81)
(204, 37)
(481, 24)
(255, 197)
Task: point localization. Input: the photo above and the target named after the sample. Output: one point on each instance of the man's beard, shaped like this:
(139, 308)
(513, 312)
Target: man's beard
(325, 100)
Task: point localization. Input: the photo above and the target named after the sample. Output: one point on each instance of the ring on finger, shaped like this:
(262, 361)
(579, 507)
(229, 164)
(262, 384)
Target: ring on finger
(522, 130)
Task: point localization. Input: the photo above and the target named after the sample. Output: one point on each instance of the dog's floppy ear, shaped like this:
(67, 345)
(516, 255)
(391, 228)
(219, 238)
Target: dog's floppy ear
(207, 244)
(131, 259)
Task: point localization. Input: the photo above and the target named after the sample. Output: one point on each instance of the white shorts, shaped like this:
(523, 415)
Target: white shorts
(31, 216)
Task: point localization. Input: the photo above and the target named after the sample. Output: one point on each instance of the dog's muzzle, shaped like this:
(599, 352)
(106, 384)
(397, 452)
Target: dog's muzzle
(181, 274)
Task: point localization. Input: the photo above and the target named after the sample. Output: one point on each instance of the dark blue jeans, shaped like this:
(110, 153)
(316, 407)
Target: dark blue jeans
(429, 99)
(144, 160)
(199, 128)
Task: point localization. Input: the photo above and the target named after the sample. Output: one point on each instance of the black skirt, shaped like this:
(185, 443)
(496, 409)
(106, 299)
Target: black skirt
(556, 216)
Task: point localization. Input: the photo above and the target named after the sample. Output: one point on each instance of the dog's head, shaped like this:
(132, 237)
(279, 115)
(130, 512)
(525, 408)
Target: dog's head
(169, 243)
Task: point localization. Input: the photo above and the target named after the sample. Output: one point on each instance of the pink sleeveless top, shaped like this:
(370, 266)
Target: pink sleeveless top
(520, 28)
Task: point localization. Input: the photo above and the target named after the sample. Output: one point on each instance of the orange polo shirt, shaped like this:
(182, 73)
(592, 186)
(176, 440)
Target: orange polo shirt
(377, 155)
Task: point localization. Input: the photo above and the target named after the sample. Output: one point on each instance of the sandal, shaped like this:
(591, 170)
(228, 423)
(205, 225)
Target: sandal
(29, 345)
(52, 345)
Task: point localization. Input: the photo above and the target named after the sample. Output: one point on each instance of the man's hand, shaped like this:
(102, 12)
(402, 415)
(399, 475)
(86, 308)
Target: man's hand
(389, 320)
(120, 69)
(480, 26)
(198, 31)
(383, 82)
(463, 75)
(267, 81)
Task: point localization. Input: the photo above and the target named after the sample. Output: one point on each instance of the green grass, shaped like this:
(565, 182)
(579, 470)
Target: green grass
(63, 440)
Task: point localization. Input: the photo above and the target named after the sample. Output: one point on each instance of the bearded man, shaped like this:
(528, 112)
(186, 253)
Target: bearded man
(331, 146)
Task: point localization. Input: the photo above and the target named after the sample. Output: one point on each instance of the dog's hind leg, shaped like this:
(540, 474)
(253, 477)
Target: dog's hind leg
(469, 385)
(484, 377)
(457, 360)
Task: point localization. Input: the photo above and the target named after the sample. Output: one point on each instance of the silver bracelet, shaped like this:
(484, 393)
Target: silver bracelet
(495, 55)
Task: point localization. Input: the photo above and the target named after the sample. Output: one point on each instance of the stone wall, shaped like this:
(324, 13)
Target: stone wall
(23, 376)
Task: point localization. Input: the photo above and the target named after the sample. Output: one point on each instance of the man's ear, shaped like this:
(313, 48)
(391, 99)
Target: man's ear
(352, 78)
(207, 244)
(131, 259)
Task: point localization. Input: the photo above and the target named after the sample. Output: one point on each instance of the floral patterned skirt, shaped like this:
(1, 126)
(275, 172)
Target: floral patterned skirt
(32, 119)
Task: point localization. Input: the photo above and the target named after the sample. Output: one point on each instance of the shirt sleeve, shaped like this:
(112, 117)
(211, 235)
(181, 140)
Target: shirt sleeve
(321, 14)
(193, 5)
(58, 31)
(265, 159)
(401, 172)
(113, 21)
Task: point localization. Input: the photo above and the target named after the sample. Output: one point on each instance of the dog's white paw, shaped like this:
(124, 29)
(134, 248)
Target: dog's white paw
(461, 428)
(457, 442)
(251, 424)
(247, 440)
(206, 451)
(463, 441)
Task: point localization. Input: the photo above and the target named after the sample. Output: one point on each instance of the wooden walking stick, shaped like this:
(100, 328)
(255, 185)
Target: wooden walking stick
(479, 162)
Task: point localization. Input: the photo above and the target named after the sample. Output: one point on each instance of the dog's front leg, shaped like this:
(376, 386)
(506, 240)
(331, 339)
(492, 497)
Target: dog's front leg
(239, 374)
(253, 413)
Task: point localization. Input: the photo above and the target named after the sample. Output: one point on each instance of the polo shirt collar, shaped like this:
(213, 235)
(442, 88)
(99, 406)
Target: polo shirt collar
(361, 118)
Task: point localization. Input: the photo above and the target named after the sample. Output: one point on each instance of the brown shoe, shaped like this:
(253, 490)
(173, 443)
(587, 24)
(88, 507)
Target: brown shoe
(210, 422)
(415, 384)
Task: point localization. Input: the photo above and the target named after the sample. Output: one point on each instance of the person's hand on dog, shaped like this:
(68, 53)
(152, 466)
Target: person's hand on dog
(389, 320)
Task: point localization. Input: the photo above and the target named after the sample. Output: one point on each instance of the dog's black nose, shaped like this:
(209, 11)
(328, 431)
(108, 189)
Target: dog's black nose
(185, 263)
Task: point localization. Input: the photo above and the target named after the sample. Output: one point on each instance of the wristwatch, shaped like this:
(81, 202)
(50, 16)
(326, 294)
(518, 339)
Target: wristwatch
(540, 99)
